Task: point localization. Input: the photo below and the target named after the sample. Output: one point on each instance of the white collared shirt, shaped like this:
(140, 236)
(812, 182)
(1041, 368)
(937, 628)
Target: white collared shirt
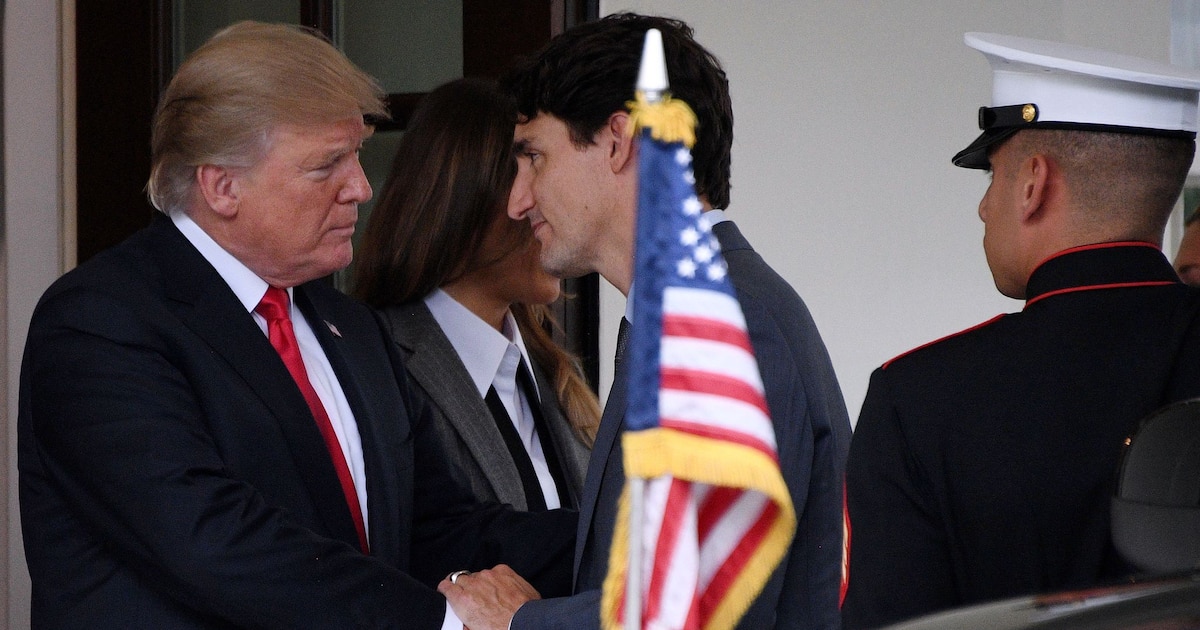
(492, 358)
(249, 289)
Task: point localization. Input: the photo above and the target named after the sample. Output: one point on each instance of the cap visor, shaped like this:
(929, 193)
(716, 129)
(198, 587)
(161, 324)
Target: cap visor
(976, 154)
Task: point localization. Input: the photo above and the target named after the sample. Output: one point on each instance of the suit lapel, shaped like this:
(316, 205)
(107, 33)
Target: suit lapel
(611, 423)
(333, 500)
(437, 368)
(207, 306)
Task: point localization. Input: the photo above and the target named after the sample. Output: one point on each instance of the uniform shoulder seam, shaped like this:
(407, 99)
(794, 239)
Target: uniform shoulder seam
(941, 339)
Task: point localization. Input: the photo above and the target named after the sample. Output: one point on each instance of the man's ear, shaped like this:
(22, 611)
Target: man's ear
(621, 144)
(221, 187)
(1036, 184)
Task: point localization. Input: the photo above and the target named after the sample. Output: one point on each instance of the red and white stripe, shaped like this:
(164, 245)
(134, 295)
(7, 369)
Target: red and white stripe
(710, 381)
(699, 537)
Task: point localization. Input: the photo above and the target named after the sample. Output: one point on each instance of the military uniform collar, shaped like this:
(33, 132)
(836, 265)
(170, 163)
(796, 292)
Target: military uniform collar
(1099, 266)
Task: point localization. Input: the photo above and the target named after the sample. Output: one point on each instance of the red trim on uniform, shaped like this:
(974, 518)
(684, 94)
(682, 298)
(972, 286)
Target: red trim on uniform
(936, 341)
(1093, 287)
(1084, 248)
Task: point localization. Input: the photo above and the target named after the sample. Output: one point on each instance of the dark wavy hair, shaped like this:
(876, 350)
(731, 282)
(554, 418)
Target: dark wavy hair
(588, 72)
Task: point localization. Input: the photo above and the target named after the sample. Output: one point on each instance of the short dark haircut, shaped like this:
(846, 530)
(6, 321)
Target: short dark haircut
(588, 72)
(1124, 179)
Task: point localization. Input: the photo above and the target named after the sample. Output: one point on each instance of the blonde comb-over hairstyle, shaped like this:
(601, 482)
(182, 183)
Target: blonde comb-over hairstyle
(246, 80)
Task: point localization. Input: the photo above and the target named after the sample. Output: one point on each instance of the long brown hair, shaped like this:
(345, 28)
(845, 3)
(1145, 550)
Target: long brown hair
(449, 182)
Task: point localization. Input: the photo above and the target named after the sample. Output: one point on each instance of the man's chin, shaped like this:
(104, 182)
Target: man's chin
(334, 263)
(563, 270)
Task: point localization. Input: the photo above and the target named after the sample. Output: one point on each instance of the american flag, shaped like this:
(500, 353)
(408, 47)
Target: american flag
(717, 515)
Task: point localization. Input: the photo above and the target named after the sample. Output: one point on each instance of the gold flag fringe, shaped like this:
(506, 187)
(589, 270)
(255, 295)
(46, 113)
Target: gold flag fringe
(656, 452)
(669, 120)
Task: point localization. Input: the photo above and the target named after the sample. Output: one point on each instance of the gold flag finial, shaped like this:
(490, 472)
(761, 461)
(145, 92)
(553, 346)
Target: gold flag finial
(669, 120)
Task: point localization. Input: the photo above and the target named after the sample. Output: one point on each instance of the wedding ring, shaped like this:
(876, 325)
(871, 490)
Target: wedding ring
(453, 577)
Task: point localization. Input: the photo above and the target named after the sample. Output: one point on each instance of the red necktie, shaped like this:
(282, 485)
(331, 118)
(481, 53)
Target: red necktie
(274, 308)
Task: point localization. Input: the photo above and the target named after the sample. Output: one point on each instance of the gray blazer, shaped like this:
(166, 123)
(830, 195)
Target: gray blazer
(462, 419)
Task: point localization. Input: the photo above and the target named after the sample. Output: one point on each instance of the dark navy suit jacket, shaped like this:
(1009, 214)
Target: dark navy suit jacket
(813, 434)
(172, 476)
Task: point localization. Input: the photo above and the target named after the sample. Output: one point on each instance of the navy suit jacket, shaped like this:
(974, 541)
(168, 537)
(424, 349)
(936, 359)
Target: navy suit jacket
(813, 433)
(172, 476)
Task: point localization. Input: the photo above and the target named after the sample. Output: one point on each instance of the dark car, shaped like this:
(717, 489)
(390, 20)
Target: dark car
(1160, 604)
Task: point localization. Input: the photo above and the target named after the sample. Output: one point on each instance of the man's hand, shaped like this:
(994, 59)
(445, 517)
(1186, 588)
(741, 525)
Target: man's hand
(487, 600)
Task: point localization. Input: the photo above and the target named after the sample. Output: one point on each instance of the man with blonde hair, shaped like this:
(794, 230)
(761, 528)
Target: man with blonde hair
(210, 435)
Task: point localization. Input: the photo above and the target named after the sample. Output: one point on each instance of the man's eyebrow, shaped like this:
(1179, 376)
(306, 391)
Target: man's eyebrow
(332, 155)
(520, 146)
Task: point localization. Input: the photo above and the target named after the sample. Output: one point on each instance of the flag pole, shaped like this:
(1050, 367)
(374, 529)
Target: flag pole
(633, 583)
(651, 84)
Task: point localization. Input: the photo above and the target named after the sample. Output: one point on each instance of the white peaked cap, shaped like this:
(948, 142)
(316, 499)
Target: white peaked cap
(1052, 85)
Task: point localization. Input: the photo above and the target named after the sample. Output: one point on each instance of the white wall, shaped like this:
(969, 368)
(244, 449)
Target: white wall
(846, 115)
(30, 244)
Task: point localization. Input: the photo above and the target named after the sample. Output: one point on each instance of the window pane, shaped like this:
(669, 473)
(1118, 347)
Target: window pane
(408, 45)
(196, 20)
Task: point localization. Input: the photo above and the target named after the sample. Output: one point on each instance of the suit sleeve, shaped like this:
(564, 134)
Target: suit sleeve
(118, 431)
(812, 431)
(577, 612)
(899, 557)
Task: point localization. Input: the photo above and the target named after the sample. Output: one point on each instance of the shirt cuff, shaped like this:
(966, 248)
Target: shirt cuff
(451, 620)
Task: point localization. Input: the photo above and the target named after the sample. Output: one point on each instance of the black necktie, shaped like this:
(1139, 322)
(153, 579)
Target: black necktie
(534, 498)
(525, 381)
(622, 341)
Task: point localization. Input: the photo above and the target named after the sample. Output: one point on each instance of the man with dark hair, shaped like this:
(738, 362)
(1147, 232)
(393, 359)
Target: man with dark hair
(574, 134)
(982, 464)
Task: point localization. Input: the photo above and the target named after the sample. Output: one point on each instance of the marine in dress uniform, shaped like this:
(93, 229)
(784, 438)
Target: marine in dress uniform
(982, 464)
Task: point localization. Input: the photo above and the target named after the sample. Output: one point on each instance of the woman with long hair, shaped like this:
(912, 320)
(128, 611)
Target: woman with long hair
(464, 293)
